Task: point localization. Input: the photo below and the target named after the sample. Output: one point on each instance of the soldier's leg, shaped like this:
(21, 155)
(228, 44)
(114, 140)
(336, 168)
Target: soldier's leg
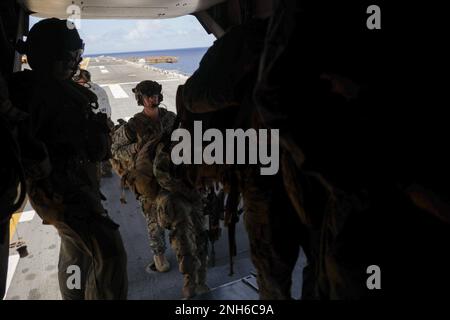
(157, 237)
(174, 212)
(183, 241)
(92, 262)
(271, 226)
(108, 276)
(91, 240)
(155, 231)
(286, 230)
(73, 265)
(201, 236)
(74, 256)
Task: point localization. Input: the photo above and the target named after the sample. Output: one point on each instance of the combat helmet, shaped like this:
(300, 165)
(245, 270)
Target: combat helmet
(52, 40)
(147, 88)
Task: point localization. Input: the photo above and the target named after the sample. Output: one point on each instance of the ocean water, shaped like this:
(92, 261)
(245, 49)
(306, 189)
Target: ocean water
(188, 59)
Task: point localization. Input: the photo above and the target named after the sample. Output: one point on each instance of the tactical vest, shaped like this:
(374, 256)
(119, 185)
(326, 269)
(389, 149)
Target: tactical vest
(144, 127)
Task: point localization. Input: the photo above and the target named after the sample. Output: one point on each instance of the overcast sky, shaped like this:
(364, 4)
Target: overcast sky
(105, 36)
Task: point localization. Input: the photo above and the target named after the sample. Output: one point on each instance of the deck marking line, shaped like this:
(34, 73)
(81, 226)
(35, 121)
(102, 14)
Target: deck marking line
(117, 91)
(27, 216)
(13, 261)
(136, 82)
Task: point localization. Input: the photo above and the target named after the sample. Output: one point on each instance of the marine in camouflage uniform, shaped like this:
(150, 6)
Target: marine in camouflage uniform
(166, 200)
(62, 186)
(130, 143)
(365, 182)
(180, 209)
(272, 224)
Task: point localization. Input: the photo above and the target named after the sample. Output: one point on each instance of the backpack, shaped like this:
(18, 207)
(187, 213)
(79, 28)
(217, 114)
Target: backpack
(97, 129)
(118, 166)
(140, 177)
(137, 173)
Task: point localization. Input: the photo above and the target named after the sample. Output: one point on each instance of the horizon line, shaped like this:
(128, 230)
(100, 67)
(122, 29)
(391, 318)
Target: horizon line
(105, 53)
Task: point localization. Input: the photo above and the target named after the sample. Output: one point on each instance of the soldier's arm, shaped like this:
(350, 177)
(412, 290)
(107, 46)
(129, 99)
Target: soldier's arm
(163, 172)
(124, 145)
(162, 169)
(34, 154)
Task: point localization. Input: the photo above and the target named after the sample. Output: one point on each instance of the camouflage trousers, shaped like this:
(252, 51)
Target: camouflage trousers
(188, 236)
(274, 233)
(156, 232)
(92, 260)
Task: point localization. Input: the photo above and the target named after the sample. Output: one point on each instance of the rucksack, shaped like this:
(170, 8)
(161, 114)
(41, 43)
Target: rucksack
(140, 177)
(97, 131)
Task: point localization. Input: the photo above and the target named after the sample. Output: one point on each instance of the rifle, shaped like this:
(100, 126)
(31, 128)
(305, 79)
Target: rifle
(214, 209)
(230, 220)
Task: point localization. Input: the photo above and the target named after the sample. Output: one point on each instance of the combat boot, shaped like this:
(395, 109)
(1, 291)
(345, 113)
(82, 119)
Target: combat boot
(201, 289)
(189, 286)
(201, 286)
(161, 263)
